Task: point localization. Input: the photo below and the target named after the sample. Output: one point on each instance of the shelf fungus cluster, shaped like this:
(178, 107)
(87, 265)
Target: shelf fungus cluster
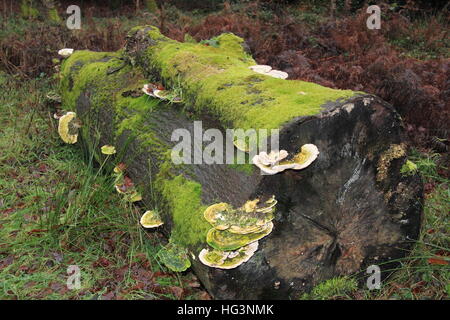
(268, 71)
(68, 127)
(278, 161)
(235, 233)
(158, 91)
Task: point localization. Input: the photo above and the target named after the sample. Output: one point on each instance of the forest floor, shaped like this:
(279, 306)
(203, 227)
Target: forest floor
(57, 209)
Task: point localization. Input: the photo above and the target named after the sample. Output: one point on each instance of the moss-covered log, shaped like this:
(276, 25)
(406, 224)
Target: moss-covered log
(351, 208)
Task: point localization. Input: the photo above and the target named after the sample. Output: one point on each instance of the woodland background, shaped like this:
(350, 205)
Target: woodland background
(406, 63)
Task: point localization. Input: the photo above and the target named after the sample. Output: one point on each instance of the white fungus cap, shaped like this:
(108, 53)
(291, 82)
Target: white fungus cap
(66, 52)
(271, 164)
(268, 71)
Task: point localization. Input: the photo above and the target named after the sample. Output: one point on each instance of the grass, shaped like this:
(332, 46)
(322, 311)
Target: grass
(334, 288)
(56, 211)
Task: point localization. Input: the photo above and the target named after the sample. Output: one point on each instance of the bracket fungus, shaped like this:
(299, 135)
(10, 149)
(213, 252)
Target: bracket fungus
(66, 52)
(68, 127)
(108, 150)
(227, 259)
(261, 68)
(174, 257)
(227, 240)
(235, 233)
(273, 162)
(252, 217)
(268, 71)
(151, 219)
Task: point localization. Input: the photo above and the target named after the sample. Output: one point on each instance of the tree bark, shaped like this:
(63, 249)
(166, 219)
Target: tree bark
(350, 209)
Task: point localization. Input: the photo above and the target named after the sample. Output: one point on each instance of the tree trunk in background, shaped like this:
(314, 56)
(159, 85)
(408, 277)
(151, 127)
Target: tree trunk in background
(350, 209)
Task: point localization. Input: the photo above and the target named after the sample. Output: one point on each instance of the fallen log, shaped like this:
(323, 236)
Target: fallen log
(352, 207)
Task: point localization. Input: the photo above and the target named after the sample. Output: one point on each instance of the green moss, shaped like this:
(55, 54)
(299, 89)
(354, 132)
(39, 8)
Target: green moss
(408, 168)
(82, 69)
(218, 81)
(333, 288)
(184, 199)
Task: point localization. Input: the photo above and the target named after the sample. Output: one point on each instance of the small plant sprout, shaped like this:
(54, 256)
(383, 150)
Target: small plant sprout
(68, 127)
(108, 150)
(150, 219)
(227, 259)
(273, 162)
(268, 71)
(66, 52)
(408, 168)
(174, 257)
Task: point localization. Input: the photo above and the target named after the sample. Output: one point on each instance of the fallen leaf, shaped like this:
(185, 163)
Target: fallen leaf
(437, 261)
(101, 262)
(176, 291)
(108, 296)
(205, 296)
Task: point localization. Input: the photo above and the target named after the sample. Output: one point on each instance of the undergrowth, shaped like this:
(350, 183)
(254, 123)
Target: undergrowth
(57, 211)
